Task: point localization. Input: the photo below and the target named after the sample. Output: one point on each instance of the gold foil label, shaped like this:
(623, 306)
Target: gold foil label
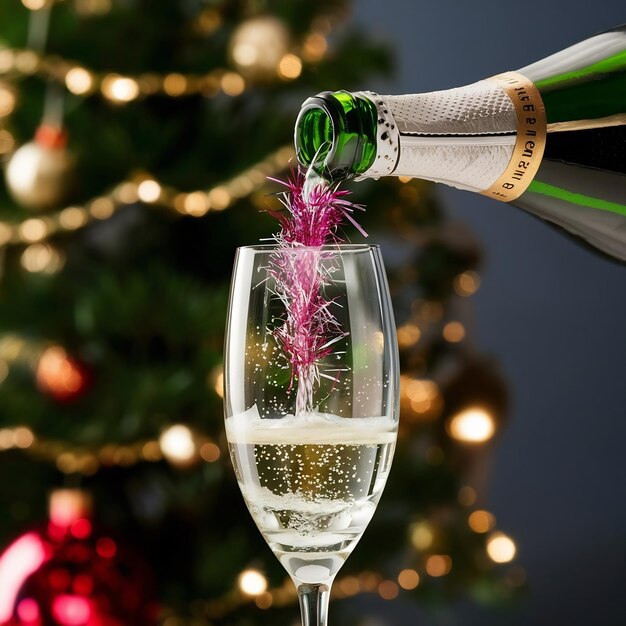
(530, 141)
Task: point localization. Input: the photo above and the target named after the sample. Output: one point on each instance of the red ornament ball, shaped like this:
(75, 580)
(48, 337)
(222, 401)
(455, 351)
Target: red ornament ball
(69, 573)
(61, 376)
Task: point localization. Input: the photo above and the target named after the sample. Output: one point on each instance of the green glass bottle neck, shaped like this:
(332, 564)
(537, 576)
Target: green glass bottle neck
(336, 134)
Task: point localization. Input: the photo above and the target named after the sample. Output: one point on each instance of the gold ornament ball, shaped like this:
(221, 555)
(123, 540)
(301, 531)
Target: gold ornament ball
(39, 177)
(258, 45)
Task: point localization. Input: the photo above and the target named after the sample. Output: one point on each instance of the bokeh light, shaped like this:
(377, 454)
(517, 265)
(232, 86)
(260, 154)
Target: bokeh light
(408, 579)
(178, 444)
(210, 452)
(467, 283)
(290, 67)
(454, 332)
(315, 47)
(33, 230)
(120, 88)
(472, 425)
(422, 535)
(467, 495)
(408, 335)
(252, 582)
(58, 374)
(8, 99)
(233, 84)
(149, 190)
(388, 590)
(71, 610)
(78, 81)
(17, 562)
(481, 521)
(501, 548)
(106, 547)
(438, 565)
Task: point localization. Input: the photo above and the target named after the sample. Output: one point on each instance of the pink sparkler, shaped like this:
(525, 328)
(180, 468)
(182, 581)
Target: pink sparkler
(309, 330)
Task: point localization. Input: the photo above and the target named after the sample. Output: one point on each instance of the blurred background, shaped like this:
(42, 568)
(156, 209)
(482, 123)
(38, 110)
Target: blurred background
(136, 138)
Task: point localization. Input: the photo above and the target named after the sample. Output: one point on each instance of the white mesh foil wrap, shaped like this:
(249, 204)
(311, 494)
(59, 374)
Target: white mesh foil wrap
(469, 167)
(468, 162)
(480, 108)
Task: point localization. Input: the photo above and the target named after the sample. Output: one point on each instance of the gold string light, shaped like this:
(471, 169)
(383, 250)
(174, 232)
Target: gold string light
(251, 581)
(71, 459)
(178, 444)
(19, 437)
(252, 584)
(388, 590)
(252, 588)
(408, 579)
(147, 189)
(8, 99)
(122, 89)
(262, 41)
(117, 88)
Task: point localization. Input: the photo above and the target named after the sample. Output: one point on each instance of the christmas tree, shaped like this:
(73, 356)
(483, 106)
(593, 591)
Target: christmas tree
(137, 138)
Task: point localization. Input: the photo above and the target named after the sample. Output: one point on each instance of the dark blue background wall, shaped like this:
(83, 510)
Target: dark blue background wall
(553, 314)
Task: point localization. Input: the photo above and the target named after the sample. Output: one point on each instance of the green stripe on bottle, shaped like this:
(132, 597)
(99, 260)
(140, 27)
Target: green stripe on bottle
(610, 64)
(576, 198)
(590, 97)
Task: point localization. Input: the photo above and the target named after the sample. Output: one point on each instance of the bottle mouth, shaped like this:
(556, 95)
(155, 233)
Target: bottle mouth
(335, 133)
(316, 127)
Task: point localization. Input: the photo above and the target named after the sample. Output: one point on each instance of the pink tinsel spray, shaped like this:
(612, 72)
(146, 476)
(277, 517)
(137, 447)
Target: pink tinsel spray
(309, 330)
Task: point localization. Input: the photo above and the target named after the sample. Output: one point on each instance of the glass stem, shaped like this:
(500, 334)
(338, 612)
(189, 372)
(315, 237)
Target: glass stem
(314, 604)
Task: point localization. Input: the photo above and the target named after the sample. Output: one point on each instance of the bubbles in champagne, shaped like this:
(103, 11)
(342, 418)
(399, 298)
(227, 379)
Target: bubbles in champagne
(311, 482)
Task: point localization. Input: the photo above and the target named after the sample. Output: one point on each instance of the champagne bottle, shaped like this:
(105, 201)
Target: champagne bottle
(550, 138)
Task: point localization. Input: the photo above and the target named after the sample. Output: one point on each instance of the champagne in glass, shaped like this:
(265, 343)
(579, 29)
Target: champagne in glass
(311, 442)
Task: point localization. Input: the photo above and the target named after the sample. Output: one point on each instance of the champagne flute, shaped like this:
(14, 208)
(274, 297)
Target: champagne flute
(311, 402)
